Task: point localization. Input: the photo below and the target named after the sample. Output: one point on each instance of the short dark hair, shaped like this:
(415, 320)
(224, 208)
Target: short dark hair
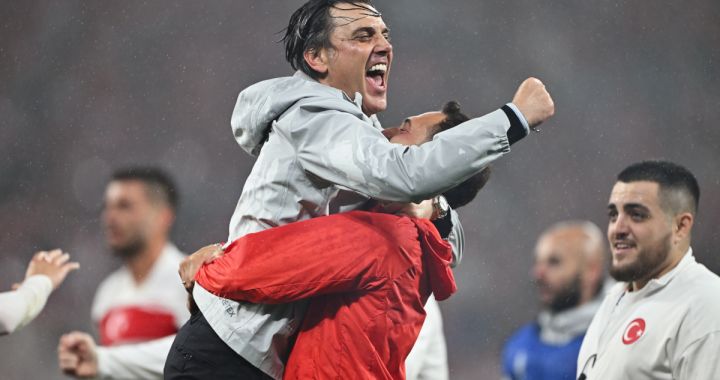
(466, 191)
(453, 115)
(309, 29)
(679, 190)
(160, 184)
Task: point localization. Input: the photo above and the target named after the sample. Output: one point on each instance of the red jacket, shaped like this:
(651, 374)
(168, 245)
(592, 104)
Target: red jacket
(369, 276)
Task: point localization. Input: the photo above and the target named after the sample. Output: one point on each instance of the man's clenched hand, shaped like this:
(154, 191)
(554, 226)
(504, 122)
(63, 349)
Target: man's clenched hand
(534, 101)
(77, 355)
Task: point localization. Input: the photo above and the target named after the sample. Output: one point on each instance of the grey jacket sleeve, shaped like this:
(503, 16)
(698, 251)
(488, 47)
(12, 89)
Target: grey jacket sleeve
(347, 151)
(456, 239)
(451, 230)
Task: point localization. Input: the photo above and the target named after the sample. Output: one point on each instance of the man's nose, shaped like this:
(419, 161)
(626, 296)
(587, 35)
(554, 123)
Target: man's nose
(108, 217)
(619, 226)
(384, 47)
(389, 133)
(537, 272)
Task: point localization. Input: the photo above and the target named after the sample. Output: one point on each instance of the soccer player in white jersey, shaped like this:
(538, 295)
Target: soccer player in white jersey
(142, 300)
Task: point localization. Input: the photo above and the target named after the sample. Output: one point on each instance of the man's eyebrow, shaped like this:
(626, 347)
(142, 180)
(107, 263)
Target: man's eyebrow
(634, 206)
(628, 207)
(365, 29)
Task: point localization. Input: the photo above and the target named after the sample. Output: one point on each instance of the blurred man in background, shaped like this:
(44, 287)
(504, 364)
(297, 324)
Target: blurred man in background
(45, 272)
(662, 321)
(143, 300)
(569, 275)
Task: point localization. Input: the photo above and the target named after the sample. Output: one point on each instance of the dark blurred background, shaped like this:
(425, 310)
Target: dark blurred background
(86, 87)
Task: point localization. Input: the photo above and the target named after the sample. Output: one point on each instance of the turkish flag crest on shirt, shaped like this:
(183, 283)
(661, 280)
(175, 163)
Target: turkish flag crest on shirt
(634, 331)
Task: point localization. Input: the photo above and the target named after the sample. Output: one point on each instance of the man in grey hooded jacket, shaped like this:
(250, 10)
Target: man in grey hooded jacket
(320, 151)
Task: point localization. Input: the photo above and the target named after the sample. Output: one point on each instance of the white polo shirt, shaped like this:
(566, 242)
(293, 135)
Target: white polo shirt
(669, 329)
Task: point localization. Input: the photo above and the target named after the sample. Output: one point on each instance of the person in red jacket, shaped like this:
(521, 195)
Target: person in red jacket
(367, 274)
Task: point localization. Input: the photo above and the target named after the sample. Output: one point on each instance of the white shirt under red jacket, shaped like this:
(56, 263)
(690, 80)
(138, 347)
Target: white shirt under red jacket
(126, 312)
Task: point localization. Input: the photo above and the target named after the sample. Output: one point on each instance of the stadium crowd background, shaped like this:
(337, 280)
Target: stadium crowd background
(86, 87)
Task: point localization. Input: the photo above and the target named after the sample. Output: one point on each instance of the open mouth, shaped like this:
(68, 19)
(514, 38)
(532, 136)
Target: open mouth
(375, 76)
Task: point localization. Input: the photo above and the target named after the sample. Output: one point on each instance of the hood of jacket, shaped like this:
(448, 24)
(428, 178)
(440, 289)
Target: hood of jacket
(262, 103)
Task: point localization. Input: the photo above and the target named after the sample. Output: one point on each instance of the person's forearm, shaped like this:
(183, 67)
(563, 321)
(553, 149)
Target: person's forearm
(19, 307)
(134, 361)
(332, 254)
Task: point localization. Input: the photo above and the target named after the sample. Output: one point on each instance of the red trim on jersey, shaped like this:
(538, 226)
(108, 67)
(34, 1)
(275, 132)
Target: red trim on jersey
(130, 324)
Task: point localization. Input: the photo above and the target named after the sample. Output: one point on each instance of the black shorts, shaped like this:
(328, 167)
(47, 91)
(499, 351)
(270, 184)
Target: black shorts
(198, 353)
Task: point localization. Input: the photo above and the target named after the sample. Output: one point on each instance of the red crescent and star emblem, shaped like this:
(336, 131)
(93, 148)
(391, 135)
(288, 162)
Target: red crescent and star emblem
(634, 331)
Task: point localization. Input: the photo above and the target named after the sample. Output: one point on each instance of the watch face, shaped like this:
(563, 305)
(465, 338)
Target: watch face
(444, 205)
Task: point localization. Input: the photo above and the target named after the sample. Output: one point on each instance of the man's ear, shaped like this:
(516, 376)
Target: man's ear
(167, 217)
(317, 60)
(683, 224)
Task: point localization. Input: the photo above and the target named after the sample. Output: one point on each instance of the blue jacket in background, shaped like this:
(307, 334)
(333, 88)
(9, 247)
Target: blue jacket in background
(526, 357)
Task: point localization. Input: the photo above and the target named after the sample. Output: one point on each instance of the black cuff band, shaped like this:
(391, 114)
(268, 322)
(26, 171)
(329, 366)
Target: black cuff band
(444, 225)
(517, 131)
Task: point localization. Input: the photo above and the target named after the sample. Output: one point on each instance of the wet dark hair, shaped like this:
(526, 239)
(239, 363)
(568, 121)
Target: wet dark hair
(310, 28)
(679, 190)
(453, 115)
(466, 191)
(159, 184)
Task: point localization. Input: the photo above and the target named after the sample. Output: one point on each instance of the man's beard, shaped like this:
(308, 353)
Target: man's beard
(568, 297)
(646, 263)
(131, 249)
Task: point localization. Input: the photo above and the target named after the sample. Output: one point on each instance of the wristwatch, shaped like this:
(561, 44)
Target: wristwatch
(441, 207)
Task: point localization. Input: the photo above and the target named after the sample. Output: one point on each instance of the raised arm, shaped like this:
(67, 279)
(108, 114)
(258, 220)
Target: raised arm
(333, 144)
